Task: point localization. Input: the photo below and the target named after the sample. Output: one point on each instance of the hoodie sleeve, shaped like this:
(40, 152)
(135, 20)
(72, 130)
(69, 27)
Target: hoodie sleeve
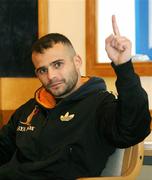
(8, 132)
(127, 118)
(7, 141)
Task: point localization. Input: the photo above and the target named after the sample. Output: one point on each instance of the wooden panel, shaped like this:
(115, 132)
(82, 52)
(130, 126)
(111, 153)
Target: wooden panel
(5, 116)
(42, 17)
(16, 91)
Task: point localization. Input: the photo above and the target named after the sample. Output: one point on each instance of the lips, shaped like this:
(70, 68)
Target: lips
(55, 85)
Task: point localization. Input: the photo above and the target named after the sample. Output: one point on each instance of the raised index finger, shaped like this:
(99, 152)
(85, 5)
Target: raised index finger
(115, 26)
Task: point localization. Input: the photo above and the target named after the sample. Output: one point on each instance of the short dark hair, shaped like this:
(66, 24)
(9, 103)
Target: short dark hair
(49, 40)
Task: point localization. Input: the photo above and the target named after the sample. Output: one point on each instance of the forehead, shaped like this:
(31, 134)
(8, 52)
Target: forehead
(58, 51)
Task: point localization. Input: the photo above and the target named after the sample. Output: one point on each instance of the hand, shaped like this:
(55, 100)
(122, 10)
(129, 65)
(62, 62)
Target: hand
(118, 47)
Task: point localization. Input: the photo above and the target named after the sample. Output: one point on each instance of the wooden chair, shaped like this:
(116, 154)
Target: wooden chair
(131, 165)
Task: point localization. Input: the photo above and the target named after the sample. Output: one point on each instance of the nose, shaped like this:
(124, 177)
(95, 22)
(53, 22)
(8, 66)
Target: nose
(51, 73)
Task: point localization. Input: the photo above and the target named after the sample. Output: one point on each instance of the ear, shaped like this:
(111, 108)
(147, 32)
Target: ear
(77, 61)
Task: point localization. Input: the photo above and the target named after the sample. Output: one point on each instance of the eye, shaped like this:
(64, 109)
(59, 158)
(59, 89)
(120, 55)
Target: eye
(57, 65)
(42, 70)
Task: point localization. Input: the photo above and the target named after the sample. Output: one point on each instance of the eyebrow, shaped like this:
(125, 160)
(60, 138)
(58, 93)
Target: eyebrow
(56, 61)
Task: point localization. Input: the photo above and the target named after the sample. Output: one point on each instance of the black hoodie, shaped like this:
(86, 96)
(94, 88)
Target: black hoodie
(74, 138)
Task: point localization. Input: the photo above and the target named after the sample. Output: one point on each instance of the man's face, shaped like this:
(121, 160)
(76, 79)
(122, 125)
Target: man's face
(58, 69)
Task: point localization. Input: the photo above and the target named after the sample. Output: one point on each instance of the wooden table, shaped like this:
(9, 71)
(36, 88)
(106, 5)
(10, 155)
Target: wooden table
(148, 143)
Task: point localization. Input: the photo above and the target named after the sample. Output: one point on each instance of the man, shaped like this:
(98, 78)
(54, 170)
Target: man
(73, 124)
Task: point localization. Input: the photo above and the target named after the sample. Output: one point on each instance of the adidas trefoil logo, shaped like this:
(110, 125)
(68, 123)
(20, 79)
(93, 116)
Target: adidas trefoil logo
(66, 117)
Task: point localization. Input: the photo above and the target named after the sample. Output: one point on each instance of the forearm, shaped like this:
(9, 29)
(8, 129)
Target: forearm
(7, 143)
(132, 98)
(130, 117)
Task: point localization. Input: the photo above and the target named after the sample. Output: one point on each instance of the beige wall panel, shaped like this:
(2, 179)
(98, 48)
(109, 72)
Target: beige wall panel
(68, 17)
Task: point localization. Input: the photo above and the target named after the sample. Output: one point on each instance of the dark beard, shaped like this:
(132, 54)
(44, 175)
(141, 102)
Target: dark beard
(71, 84)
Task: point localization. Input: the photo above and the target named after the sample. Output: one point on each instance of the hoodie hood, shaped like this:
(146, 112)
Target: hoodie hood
(89, 86)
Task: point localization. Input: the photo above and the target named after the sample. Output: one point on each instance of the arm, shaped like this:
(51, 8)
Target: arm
(127, 119)
(7, 141)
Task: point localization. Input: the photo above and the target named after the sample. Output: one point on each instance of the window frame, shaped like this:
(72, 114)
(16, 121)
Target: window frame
(42, 17)
(93, 67)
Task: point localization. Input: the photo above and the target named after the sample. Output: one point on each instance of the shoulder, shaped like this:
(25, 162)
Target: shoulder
(30, 103)
(108, 95)
(26, 107)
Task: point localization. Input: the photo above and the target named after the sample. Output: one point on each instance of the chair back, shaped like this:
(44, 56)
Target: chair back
(129, 164)
(114, 164)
